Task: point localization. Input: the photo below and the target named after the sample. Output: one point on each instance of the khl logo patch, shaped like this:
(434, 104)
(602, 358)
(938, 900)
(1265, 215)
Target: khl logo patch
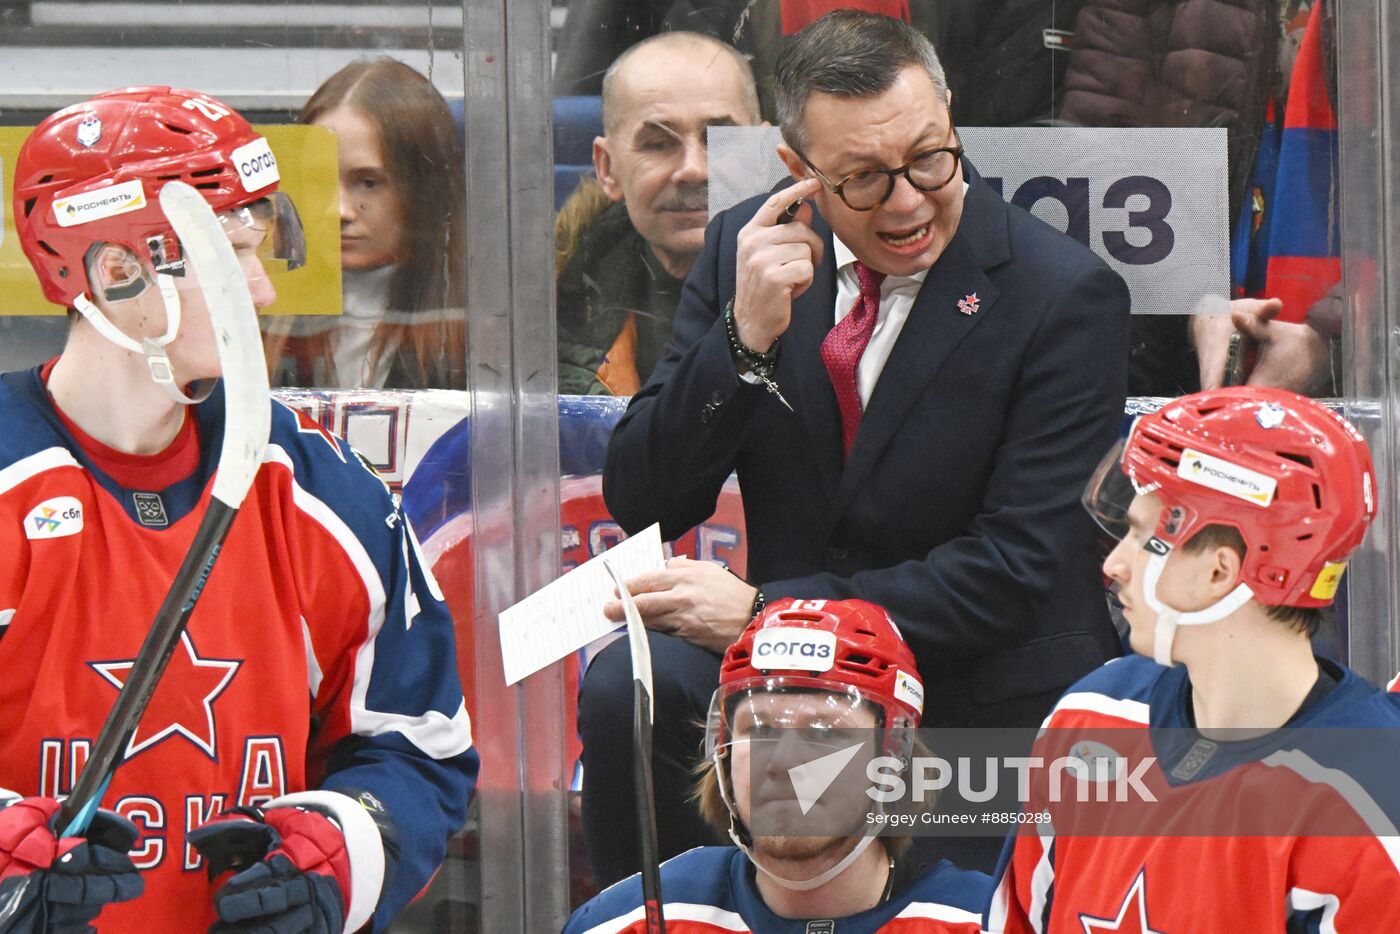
(150, 509)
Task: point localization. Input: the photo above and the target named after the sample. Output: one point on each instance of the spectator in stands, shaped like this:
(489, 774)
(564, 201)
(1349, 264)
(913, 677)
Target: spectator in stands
(899, 378)
(1287, 247)
(1006, 58)
(1173, 63)
(627, 242)
(1302, 357)
(402, 244)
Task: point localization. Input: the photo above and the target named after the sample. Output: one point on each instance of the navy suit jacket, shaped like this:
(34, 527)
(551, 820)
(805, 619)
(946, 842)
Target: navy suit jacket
(958, 510)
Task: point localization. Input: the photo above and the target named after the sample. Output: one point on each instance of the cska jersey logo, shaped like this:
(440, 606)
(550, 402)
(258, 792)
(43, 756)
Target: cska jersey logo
(1132, 914)
(183, 703)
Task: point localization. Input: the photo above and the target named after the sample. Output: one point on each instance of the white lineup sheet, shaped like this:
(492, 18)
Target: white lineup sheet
(567, 614)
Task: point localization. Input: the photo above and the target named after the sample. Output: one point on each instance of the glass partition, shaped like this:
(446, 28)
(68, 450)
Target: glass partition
(1229, 161)
(492, 240)
(389, 120)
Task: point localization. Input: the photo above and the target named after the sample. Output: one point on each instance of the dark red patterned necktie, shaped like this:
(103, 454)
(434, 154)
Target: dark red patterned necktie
(843, 345)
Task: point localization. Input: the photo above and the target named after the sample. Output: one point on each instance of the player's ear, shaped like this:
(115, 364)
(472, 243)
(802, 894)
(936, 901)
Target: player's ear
(1226, 564)
(115, 273)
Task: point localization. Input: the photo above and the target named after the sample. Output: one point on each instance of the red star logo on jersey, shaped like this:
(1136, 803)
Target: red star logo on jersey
(1132, 914)
(183, 702)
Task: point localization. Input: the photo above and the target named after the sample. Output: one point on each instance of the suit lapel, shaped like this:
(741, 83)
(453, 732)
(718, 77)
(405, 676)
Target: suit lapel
(933, 330)
(815, 401)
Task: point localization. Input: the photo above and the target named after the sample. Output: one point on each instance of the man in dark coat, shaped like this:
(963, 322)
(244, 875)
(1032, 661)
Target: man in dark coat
(926, 452)
(628, 241)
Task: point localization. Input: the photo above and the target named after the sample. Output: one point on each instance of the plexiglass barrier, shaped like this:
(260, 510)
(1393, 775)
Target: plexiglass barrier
(526, 230)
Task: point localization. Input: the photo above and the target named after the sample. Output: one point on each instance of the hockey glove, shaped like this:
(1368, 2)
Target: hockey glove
(294, 870)
(52, 884)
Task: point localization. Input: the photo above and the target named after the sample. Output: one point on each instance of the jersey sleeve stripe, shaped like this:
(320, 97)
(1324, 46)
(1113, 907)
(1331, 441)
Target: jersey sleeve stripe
(1000, 905)
(1122, 708)
(717, 918)
(1350, 790)
(1042, 881)
(35, 464)
(433, 732)
(425, 566)
(313, 666)
(436, 734)
(934, 911)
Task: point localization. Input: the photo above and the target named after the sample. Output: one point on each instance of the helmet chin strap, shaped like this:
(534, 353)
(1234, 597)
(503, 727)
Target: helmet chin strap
(739, 834)
(1168, 618)
(153, 349)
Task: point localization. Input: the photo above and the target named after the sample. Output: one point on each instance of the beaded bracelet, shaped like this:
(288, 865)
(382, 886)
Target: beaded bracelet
(760, 363)
(759, 602)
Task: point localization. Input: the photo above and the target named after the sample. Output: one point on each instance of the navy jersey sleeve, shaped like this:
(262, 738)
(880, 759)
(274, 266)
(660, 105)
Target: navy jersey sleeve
(388, 702)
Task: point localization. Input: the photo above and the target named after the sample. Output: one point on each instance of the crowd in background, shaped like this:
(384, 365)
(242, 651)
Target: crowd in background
(618, 273)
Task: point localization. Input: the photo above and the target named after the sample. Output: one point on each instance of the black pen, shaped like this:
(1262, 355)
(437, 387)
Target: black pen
(790, 212)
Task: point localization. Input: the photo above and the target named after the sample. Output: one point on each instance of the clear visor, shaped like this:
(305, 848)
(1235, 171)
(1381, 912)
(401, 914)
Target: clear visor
(794, 757)
(768, 710)
(271, 228)
(1109, 494)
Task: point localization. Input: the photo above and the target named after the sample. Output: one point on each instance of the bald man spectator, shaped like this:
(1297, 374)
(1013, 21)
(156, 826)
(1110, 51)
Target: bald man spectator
(627, 242)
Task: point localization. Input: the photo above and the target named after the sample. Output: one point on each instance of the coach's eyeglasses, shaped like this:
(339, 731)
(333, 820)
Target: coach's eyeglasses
(866, 191)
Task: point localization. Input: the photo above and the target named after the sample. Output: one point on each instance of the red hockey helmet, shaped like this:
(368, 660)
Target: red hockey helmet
(848, 649)
(92, 173)
(1294, 478)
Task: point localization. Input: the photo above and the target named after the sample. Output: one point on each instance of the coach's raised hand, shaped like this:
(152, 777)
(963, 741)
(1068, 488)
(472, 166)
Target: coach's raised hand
(776, 262)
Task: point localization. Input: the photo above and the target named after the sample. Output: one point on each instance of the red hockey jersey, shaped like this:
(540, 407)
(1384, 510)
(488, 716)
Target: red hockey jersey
(1339, 872)
(320, 654)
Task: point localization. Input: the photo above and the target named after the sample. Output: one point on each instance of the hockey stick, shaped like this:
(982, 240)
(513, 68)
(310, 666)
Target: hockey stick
(642, 696)
(247, 423)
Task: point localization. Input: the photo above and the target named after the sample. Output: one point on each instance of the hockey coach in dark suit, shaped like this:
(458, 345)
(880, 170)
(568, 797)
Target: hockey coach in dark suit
(912, 379)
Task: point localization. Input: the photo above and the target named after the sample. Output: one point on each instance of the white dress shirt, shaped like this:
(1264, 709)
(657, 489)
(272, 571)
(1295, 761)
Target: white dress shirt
(897, 294)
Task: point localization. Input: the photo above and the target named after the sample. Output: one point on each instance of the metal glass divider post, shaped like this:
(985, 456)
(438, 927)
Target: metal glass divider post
(514, 454)
(1368, 117)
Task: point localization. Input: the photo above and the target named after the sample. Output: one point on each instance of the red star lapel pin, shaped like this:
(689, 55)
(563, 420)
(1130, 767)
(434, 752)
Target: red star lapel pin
(968, 305)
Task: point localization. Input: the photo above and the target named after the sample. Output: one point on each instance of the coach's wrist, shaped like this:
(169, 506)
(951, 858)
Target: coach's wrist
(748, 358)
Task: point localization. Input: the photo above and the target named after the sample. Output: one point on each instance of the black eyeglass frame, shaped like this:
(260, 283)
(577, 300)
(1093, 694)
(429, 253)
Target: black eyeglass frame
(956, 150)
